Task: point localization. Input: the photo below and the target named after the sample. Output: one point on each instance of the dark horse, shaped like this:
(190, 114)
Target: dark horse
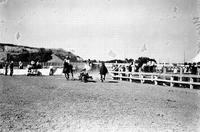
(67, 68)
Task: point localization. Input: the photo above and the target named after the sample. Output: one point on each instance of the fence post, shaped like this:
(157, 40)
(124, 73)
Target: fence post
(164, 72)
(155, 80)
(130, 75)
(113, 75)
(181, 73)
(141, 76)
(191, 81)
(152, 78)
(171, 79)
(121, 75)
(181, 78)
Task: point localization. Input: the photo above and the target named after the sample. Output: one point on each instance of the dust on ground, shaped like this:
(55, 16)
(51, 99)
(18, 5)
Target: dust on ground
(55, 104)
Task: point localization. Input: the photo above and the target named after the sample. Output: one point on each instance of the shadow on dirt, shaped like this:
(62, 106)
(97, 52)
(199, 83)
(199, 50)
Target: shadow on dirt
(112, 82)
(92, 81)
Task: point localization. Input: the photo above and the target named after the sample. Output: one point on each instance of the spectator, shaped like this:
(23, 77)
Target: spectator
(127, 70)
(20, 65)
(151, 66)
(144, 68)
(1, 66)
(130, 67)
(33, 65)
(185, 69)
(11, 68)
(175, 70)
(194, 69)
(198, 69)
(38, 65)
(52, 70)
(6, 68)
(87, 66)
(189, 68)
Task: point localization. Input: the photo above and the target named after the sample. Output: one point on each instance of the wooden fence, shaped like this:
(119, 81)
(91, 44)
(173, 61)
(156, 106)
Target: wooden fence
(171, 79)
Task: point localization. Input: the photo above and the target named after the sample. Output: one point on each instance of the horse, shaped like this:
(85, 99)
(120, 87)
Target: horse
(68, 68)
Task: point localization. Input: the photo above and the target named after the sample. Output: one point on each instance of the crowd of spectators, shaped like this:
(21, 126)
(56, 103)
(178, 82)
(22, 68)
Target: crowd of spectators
(7, 66)
(187, 68)
(131, 67)
(151, 67)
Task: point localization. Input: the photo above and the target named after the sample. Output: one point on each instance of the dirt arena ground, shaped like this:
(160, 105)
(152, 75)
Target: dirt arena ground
(55, 104)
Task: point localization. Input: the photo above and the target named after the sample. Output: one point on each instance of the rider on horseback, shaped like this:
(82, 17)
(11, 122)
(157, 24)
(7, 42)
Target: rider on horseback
(67, 68)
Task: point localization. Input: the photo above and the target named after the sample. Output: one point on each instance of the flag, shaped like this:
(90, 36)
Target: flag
(175, 9)
(111, 54)
(143, 48)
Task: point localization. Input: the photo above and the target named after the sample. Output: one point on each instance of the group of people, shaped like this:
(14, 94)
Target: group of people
(84, 73)
(67, 68)
(35, 65)
(33, 68)
(9, 65)
(133, 67)
(190, 68)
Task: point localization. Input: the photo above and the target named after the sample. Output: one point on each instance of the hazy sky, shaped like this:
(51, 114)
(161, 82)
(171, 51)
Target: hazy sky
(99, 29)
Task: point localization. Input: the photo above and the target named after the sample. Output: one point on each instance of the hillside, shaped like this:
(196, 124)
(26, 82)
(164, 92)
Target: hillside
(20, 51)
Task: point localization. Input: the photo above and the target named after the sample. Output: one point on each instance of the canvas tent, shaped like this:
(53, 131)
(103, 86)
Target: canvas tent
(196, 58)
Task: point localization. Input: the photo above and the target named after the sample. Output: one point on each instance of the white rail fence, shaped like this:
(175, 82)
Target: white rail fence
(171, 79)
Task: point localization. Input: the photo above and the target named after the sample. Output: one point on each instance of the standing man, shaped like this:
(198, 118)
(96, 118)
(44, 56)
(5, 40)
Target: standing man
(65, 68)
(194, 69)
(88, 66)
(11, 68)
(103, 71)
(6, 68)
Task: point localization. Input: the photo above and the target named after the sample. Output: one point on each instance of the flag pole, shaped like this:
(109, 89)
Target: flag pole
(184, 56)
(124, 52)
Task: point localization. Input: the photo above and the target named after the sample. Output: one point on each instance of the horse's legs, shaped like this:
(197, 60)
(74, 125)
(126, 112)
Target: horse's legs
(101, 76)
(104, 77)
(72, 74)
(67, 75)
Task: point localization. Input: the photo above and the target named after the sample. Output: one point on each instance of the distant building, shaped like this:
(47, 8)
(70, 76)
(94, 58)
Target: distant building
(79, 58)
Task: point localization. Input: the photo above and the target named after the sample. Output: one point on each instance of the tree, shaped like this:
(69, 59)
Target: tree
(42, 55)
(143, 60)
(129, 60)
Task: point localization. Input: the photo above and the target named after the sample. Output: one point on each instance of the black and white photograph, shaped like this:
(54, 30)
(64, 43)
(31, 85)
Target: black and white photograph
(99, 65)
